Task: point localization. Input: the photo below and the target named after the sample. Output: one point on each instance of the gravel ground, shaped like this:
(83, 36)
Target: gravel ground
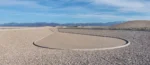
(135, 54)
(18, 49)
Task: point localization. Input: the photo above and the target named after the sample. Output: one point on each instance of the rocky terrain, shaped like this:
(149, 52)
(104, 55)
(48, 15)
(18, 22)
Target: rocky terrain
(16, 48)
(135, 54)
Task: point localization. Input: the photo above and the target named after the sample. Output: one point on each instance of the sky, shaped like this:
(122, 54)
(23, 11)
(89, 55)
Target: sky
(73, 11)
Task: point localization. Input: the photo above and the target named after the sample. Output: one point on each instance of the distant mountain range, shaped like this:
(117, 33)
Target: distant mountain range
(38, 24)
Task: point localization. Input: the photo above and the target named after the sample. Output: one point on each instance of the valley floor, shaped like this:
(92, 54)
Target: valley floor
(18, 49)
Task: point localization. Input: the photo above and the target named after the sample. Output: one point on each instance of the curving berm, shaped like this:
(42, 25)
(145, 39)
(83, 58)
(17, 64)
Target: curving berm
(16, 47)
(59, 40)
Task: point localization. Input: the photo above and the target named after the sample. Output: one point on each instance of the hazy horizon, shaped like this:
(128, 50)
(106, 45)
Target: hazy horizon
(73, 11)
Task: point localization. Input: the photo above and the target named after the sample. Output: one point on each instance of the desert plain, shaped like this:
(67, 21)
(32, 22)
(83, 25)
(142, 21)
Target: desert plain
(17, 48)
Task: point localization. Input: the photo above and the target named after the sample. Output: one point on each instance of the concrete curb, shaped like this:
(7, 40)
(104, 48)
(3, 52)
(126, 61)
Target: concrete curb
(110, 48)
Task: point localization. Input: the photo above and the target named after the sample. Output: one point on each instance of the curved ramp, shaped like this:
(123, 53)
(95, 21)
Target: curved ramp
(75, 41)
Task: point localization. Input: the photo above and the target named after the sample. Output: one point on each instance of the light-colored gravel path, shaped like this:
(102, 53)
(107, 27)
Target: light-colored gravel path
(16, 48)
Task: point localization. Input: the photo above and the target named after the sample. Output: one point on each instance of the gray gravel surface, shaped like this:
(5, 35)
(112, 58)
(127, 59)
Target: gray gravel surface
(137, 53)
(23, 52)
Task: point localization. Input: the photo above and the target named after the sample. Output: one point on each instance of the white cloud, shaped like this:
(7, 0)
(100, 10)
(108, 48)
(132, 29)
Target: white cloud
(28, 4)
(147, 17)
(121, 3)
(125, 5)
(106, 16)
(112, 17)
(94, 16)
(121, 6)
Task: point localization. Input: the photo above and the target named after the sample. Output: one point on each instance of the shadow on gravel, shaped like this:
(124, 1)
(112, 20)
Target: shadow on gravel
(45, 47)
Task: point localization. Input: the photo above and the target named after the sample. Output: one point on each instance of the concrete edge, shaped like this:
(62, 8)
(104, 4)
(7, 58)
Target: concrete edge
(110, 48)
(94, 49)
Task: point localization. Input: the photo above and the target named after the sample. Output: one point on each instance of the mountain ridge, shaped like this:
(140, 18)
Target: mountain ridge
(38, 24)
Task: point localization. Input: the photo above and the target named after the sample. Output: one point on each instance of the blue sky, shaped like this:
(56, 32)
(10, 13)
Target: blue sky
(73, 11)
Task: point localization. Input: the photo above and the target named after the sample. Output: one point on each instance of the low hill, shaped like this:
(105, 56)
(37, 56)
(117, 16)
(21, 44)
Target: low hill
(133, 24)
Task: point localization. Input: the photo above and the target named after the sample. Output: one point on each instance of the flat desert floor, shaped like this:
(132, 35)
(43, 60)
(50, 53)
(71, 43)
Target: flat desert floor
(16, 48)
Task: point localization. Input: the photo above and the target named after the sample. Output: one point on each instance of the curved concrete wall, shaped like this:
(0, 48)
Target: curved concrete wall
(102, 33)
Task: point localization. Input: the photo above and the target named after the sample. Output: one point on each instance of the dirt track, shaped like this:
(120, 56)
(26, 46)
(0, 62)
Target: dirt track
(17, 49)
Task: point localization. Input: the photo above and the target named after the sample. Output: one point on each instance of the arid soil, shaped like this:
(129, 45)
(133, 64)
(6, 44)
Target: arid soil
(137, 53)
(16, 48)
(134, 24)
